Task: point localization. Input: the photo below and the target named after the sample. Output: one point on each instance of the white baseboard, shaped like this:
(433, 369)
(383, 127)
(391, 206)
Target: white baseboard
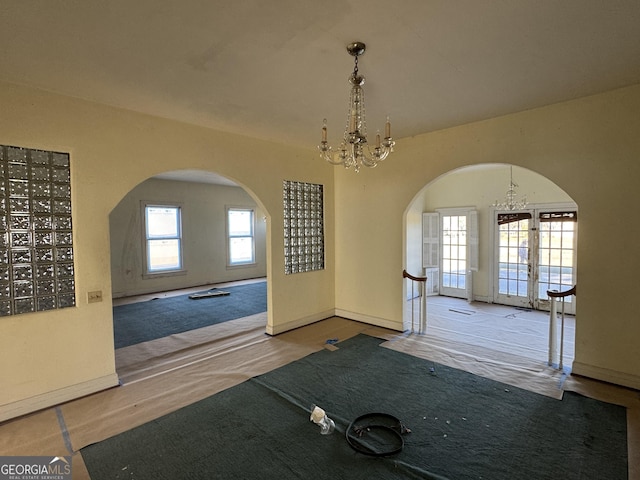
(56, 397)
(371, 320)
(301, 322)
(606, 375)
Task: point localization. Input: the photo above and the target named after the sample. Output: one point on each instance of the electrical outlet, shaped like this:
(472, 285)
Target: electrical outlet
(94, 297)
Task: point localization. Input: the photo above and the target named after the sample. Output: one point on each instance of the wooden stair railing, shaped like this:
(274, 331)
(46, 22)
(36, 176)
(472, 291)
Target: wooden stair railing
(422, 290)
(555, 297)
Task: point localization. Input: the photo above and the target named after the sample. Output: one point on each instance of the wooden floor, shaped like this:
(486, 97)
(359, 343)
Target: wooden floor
(506, 329)
(163, 375)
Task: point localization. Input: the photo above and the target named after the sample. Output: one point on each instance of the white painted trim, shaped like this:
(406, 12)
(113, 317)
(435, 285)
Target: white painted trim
(368, 319)
(56, 397)
(606, 375)
(455, 211)
(146, 274)
(301, 322)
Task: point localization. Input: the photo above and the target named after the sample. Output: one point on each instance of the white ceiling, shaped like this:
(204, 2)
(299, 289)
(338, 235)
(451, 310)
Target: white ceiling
(275, 69)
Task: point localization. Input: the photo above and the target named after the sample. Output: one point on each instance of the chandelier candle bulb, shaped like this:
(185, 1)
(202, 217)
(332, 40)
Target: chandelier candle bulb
(387, 128)
(324, 130)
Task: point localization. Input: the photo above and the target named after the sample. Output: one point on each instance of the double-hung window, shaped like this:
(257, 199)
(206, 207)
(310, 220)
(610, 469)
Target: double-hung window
(163, 231)
(240, 236)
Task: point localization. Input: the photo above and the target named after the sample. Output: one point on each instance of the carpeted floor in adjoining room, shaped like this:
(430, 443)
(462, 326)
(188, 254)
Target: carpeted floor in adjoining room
(139, 322)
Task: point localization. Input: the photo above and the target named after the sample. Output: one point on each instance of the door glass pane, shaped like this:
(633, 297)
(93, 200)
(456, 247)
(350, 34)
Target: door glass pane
(454, 251)
(556, 255)
(513, 255)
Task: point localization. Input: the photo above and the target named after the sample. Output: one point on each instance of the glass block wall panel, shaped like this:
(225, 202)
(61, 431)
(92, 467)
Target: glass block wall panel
(36, 240)
(303, 227)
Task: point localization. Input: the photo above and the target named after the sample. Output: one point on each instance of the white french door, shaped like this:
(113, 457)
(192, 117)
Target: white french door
(514, 269)
(459, 251)
(556, 259)
(454, 256)
(535, 253)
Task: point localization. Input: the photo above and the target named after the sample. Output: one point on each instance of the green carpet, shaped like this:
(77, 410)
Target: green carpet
(143, 321)
(463, 427)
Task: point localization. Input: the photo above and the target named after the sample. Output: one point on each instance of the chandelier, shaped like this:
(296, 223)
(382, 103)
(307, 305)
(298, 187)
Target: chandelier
(354, 150)
(511, 201)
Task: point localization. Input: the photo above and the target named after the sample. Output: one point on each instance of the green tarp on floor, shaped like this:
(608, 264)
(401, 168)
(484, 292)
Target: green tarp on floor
(463, 427)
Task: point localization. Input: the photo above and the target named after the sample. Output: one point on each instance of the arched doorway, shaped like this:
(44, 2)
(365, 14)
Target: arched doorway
(217, 271)
(489, 266)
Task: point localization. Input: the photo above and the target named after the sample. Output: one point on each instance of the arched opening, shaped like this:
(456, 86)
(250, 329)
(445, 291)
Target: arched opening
(488, 265)
(188, 269)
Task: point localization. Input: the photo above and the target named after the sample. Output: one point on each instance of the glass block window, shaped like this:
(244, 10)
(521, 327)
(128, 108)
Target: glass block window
(36, 240)
(303, 227)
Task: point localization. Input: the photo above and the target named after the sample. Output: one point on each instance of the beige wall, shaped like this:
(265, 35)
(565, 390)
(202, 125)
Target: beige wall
(589, 148)
(203, 233)
(50, 357)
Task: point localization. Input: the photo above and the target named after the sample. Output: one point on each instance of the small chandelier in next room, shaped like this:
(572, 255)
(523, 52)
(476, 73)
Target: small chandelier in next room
(354, 150)
(511, 201)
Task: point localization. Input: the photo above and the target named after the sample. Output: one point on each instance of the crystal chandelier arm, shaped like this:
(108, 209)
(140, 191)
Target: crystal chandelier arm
(334, 158)
(372, 158)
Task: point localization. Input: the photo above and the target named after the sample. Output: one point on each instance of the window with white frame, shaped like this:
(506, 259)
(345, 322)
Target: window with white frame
(240, 236)
(163, 232)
